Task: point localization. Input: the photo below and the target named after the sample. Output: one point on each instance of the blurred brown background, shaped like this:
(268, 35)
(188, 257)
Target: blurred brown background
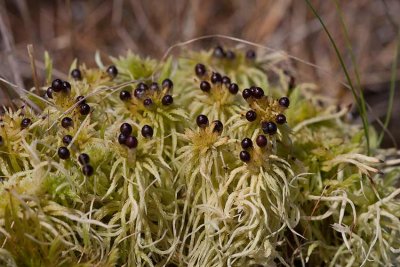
(71, 29)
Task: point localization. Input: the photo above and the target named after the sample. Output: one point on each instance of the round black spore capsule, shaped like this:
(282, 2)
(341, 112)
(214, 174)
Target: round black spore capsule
(57, 85)
(154, 86)
(49, 92)
(216, 77)
(87, 170)
(66, 86)
(125, 129)
(81, 100)
(67, 122)
(233, 88)
(250, 54)
(67, 139)
(244, 156)
(167, 100)
(131, 142)
(147, 102)
(138, 93)
(142, 86)
(25, 123)
(147, 131)
(76, 74)
(261, 140)
(112, 71)
(284, 102)
(84, 109)
(251, 115)
(202, 121)
(200, 70)
(218, 126)
(246, 143)
(63, 153)
(226, 80)
(257, 92)
(205, 86)
(246, 93)
(122, 139)
(124, 95)
(167, 83)
(83, 159)
(269, 127)
(218, 52)
(230, 54)
(280, 119)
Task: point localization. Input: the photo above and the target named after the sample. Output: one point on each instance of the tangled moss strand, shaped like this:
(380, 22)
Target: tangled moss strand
(202, 160)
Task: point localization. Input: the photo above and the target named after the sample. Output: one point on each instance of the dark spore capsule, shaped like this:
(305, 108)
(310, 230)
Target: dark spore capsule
(112, 71)
(230, 54)
(139, 93)
(269, 127)
(84, 109)
(261, 140)
(49, 92)
(167, 100)
(63, 153)
(147, 131)
(218, 52)
(200, 70)
(122, 139)
(83, 159)
(57, 85)
(205, 86)
(142, 86)
(258, 93)
(251, 115)
(250, 54)
(244, 156)
(154, 86)
(1, 140)
(280, 119)
(66, 86)
(124, 95)
(80, 100)
(202, 121)
(67, 139)
(284, 102)
(246, 143)
(125, 129)
(246, 93)
(76, 74)
(131, 142)
(216, 77)
(226, 80)
(67, 122)
(147, 102)
(25, 123)
(87, 170)
(218, 126)
(233, 88)
(167, 83)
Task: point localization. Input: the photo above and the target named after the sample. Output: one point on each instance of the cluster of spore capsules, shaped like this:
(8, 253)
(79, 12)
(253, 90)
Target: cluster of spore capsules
(64, 87)
(271, 109)
(147, 94)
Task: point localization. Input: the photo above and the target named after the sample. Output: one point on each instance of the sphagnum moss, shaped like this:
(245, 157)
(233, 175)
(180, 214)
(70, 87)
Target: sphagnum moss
(210, 164)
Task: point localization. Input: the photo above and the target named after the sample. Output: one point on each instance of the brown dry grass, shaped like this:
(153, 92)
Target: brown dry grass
(76, 29)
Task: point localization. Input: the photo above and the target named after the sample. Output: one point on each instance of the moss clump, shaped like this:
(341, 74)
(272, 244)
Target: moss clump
(176, 191)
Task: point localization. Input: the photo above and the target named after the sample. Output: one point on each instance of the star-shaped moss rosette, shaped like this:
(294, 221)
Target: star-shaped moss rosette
(210, 158)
